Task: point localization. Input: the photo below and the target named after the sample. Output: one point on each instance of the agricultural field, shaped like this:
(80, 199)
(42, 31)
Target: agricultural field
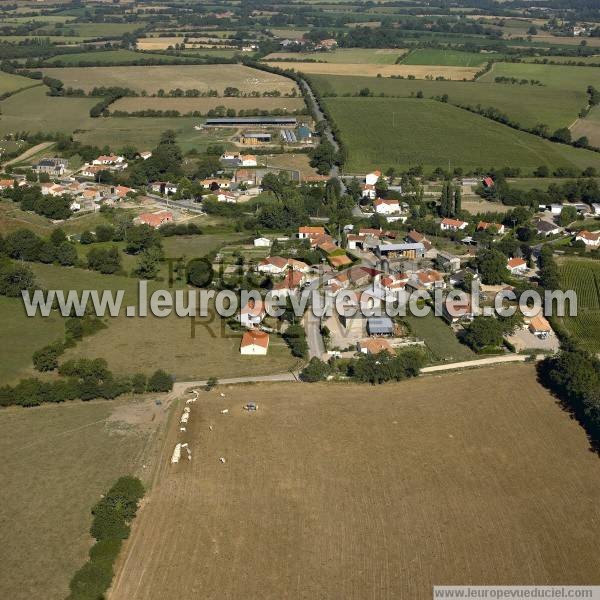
(10, 83)
(552, 76)
(91, 30)
(527, 105)
(203, 105)
(335, 490)
(32, 110)
(589, 127)
(384, 132)
(583, 276)
(56, 461)
(370, 70)
(594, 59)
(131, 345)
(144, 133)
(456, 58)
(152, 79)
(109, 56)
(295, 162)
(386, 56)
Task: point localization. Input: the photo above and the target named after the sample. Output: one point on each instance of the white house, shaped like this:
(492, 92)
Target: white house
(164, 187)
(588, 238)
(372, 178)
(75, 206)
(273, 265)
(145, 155)
(368, 191)
(517, 266)
(254, 342)
(262, 242)
(452, 225)
(485, 226)
(556, 209)
(248, 160)
(386, 207)
(226, 196)
(252, 314)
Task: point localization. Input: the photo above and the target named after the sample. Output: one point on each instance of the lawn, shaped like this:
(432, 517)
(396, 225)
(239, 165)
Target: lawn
(151, 79)
(527, 105)
(354, 492)
(583, 276)
(384, 132)
(439, 338)
(32, 110)
(145, 344)
(432, 56)
(386, 56)
(56, 462)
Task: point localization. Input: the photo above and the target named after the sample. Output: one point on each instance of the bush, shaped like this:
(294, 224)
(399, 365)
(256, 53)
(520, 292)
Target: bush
(46, 359)
(160, 381)
(315, 370)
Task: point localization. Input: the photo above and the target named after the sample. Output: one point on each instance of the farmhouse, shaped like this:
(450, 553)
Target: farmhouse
(591, 240)
(492, 227)
(254, 342)
(517, 266)
(386, 207)
(156, 219)
(452, 225)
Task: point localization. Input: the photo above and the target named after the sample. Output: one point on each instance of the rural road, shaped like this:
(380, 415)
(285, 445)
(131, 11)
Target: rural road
(312, 325)
(28, 153)
(482, 362)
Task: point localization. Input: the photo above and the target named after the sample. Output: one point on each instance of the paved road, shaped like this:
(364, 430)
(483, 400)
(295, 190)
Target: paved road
(28, 153)
(312, 325)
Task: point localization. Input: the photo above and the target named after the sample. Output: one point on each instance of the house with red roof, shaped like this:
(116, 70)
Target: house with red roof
(591, 240)
(255, 343)
(517, 266)
(156, 219)
(452, 224)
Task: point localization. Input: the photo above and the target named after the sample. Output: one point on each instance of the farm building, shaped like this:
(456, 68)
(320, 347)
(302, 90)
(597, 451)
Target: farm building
(288, 136)
(254, 342)
(156, 219)
(256, 121)
(448, 261)
(380, 326)
(255, 138)
(401, 250)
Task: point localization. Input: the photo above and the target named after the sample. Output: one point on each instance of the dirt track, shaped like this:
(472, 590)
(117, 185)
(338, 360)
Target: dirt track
(355, 492)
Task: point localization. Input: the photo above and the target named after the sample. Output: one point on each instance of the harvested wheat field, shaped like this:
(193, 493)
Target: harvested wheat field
(169, 77)
(335, 491)
(373, 70)
(203, 105)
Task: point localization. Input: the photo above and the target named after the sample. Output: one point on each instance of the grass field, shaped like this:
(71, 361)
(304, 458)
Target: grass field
(32, 110)
(185, 105)
(341, 491)
(384, 132)
(373, 70)
(456, 58)
(145, 344)
(152, 79)
(94, 30)
(144, 133)
(556, 76)
(110, 56)
(439, 338)
(527, 105)
(386, 56)
(583, 276)
(566, 59)
(588, 127)
(56, 461)
(12, 83)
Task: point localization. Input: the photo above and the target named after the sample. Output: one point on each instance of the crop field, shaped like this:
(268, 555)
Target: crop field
(163, 43)
(32, 110)
(385, 56)
(340, 491)
(589, 127)
(142, 344)
(583, 276)
(145, 133)
(56, 461)
(432, 56)
(12, 83)
(370, 70)
(556, 76)
(152, 79)
(384, 132)
(94, 30)
(185, 105)
(110, 56)
(527, 105)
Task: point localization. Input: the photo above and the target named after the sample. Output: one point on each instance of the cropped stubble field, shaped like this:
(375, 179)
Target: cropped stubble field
(153, 78)
(527, 105)
(56, 462)
(384, 132)
(583, 276)
(373, 70)
(338, 491)
(185, 105)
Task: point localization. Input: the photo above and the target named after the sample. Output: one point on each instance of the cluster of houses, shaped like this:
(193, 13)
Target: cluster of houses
(108, 162)
(86, 196)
